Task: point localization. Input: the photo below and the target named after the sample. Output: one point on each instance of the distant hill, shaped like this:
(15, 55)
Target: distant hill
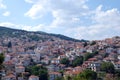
(38, 35)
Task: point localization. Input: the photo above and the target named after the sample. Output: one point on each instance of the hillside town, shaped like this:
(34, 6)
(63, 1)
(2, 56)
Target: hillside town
(19, 54)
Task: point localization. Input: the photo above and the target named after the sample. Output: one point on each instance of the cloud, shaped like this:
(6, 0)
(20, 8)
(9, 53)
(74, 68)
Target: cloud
(74, 18)
(106, 24)
(31, 1)
(24, 27)
(2, 6)
(35, 12)
(56, 8)
(111, 16)
(7, 13)
(63, 15)
(38, 10)
(10, 25)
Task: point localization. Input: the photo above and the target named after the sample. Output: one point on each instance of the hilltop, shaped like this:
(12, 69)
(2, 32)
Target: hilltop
(32, 35)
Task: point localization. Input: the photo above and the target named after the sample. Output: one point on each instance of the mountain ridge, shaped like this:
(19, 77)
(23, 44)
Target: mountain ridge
(35, 35)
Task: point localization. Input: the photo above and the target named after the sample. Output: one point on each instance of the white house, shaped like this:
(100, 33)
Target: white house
(55, 61)
(95, 66)
(117, 65)
(20, 69)
(118, 57)
(37, 52)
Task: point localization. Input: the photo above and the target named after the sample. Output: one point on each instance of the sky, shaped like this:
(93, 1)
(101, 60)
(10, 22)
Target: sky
(79, 19)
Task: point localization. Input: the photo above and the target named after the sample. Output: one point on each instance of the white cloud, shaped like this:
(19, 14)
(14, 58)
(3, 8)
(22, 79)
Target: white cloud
(111, 16)
(2, 6)
(77, 19)
(106, 24)
(10, 25)
(72, 8)
(72, 18)
(7, 24)
(39, 27)
(93, 32)
(65, 13)
(31, 1)
(38, 9)
(35, 12)
(7, 13)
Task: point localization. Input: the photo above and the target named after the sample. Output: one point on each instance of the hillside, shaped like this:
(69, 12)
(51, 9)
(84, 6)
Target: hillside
(36, 36)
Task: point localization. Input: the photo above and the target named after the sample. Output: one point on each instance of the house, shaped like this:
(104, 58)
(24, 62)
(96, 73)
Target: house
(10, 77)
(61, 66)
(92, 59)
(73, 71)
(118, 57)
(2, 72)
(86, 64)
(68, 69)
(9, 66)
(54, 75)
(25, 59)
(118, 51)
(55, 61)
(109, 50)
(53, 67)
(19, 69)
(107, 59)
(33, 77)
(117, 65)
(78, 68)
(20, 78)
(95, 66)
(1, 49)
(61, 56)
(7, 57)
(45, 61)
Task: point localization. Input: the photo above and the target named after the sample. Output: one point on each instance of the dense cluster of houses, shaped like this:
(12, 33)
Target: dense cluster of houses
(23, 53)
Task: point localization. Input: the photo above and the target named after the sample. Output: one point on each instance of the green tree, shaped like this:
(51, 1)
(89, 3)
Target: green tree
(65, 61)
(87, 56)
(88, 75)
(95, 53)
(92, 43)
(1, 58)
(117, 72)
(1, 61)
(77, 61)
(34, 37)
(85, 44)
(90, 55)
(107, 67)
(59, 78)
(38, 71)
(9, 44)
(68, 78)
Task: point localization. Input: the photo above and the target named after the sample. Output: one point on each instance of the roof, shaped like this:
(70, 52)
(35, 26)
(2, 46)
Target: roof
(21, 67)
(92, 59)
(118, 62)
(10, 76)
(56, 73)
(33, 76)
